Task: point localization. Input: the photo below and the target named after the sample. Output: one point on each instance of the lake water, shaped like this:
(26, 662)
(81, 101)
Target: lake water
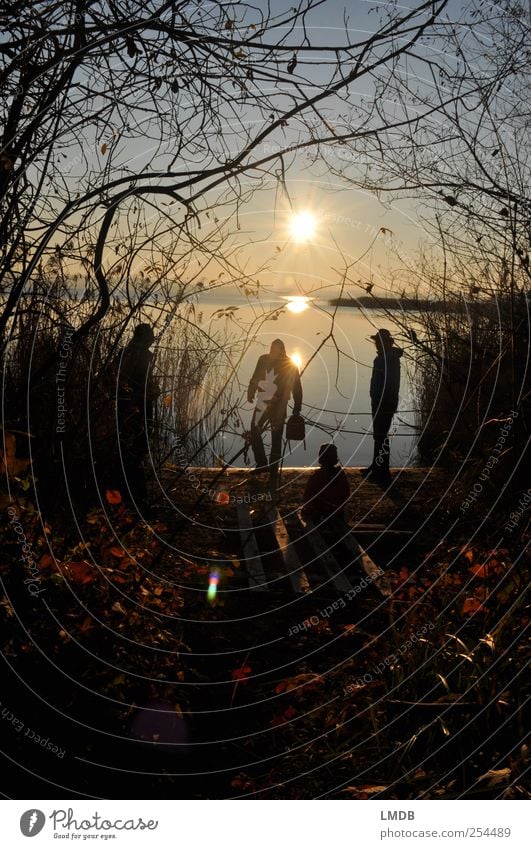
(336, 403)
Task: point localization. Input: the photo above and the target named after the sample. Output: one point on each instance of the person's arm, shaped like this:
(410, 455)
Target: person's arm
(391, 388)
(255, 380)
(152, 384)
(377, 379)
(297, 393)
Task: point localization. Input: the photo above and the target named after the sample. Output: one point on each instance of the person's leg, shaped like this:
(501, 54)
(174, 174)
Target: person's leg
(277, 431)
(381, 423)
(124, 460)
(138, 483)
(134, 447)
(276, 448)
(257, 443)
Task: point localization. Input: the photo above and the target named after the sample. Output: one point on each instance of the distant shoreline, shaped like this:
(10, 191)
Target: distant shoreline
(367, 302)
(404, 304)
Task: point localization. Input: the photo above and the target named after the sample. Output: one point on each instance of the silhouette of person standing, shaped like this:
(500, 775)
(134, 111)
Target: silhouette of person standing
(137, 392)
(274, 380)
(385, 386)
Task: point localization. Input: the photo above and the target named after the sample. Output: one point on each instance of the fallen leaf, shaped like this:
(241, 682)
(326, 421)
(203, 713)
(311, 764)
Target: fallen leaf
(496, 776)
(113, 496)
(288, 714)
(240, 674)
(241, 782)
(488, 639)
(8, 459)
(80, 573)
(471, 605)
(365, 792)
(46, 561)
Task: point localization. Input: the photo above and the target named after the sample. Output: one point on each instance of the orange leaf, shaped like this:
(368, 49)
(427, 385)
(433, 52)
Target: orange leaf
(241, 782)
(480, 571)
(489, 568)
(117, 552)
(288, 714)
(87, 624)
(113, 496)
(8, 461)
(240, 674)
(471, 605)
(80, 573)
(46, 561)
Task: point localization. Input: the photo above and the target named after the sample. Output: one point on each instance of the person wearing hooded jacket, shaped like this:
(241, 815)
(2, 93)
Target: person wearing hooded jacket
(384, 390)
(137, 392)
(274, 381)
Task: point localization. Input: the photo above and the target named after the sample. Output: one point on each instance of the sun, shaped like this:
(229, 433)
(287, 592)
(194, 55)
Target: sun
(303, 226)
(296, 359)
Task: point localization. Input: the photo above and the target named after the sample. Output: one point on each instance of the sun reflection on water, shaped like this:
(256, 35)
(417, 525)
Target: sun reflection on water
(297, 303)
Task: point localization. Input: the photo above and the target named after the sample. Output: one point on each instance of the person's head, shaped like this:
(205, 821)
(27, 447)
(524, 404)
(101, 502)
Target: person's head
(328, 455)
(143, 335)
(383, 339)
(277, 349)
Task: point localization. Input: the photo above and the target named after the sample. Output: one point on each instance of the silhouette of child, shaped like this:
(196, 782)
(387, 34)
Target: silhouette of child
(327, 490)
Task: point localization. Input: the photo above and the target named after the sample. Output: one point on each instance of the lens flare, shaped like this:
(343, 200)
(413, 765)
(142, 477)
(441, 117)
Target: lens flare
(213, 582)
(296, 359)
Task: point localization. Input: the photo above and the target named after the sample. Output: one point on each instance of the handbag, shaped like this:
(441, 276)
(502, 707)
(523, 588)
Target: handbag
(295, 429)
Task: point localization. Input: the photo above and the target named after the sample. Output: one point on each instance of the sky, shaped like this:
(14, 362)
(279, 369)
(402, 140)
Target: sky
(348, 221)
(351, 226)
